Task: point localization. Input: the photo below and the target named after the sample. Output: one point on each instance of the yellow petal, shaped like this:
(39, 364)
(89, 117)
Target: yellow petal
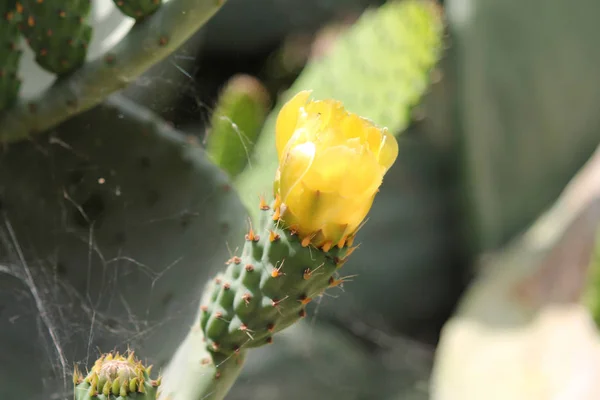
(388, 150)
(348, 171)
(287, 119)
(296, 162)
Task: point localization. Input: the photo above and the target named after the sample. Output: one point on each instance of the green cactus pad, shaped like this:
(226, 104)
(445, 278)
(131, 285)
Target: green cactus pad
(10, 54)
(138, 9)
(236, 123)
(57, 33)
(115, 377)
(380, 68)
(265, 289)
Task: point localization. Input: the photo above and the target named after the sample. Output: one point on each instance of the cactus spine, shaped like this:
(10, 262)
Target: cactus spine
(10, 53)
(115, 377)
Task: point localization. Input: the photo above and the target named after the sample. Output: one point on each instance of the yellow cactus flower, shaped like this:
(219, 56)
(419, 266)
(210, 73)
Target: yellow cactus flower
(331, 164)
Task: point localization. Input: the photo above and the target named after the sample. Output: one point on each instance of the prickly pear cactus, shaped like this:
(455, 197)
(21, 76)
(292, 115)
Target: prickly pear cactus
(332, 163)
(59, 35)
(119, 233)
(138, 9)
(114, 376)
(10, 53)
(57, 32)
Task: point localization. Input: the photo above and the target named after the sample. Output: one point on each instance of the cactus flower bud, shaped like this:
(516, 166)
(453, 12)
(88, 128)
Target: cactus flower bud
(331, 164)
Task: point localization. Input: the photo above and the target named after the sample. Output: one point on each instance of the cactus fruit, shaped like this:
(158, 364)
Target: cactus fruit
(407, 34)
(10, 53)
(238, 118)
(146, 44)
(114, 376)
(57, 32)
(138, 9)
(267, 288)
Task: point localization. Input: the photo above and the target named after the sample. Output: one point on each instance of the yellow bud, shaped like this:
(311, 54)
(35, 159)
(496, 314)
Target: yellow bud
(331, 164)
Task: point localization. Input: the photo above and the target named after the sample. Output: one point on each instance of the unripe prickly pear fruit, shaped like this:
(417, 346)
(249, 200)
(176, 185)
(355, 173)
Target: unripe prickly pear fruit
(116, 377)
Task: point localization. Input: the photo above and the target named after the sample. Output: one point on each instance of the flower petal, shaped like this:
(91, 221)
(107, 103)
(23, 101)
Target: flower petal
(346, 170)
(287, 119)
(388, 150)
(294, 165)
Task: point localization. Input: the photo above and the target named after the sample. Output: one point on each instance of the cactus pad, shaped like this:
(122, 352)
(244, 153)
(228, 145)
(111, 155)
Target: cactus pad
(10, 54)
(138, 9)
(116, 377)
(56, 31)
(267, 288)
(381, 67)
(236, 123)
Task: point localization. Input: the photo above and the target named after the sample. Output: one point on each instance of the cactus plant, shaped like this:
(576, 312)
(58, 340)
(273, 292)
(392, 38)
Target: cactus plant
(10, 53)
(156, 213)
(146, 43)
(295, 251)
(304, 238)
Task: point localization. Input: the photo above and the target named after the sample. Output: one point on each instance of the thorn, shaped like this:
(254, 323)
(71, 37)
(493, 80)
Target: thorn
(263, 204)
(218, 314)
(235, 260)
(215, 346)
(304, 299)
(342, 242)
(226, 286)
(217, 374)
(327, 246)
(277, 214)
(349, 241)
(306, 241)
(269, 340)
(205, 361)
(340, 282)
(249, 267)
(277, 271)
(204, 308)
(247, 298)
(277, 201)
(273, 236)
(302, 313)
(251, 236)
(308, 272)
(271, 327)
(218, 281)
